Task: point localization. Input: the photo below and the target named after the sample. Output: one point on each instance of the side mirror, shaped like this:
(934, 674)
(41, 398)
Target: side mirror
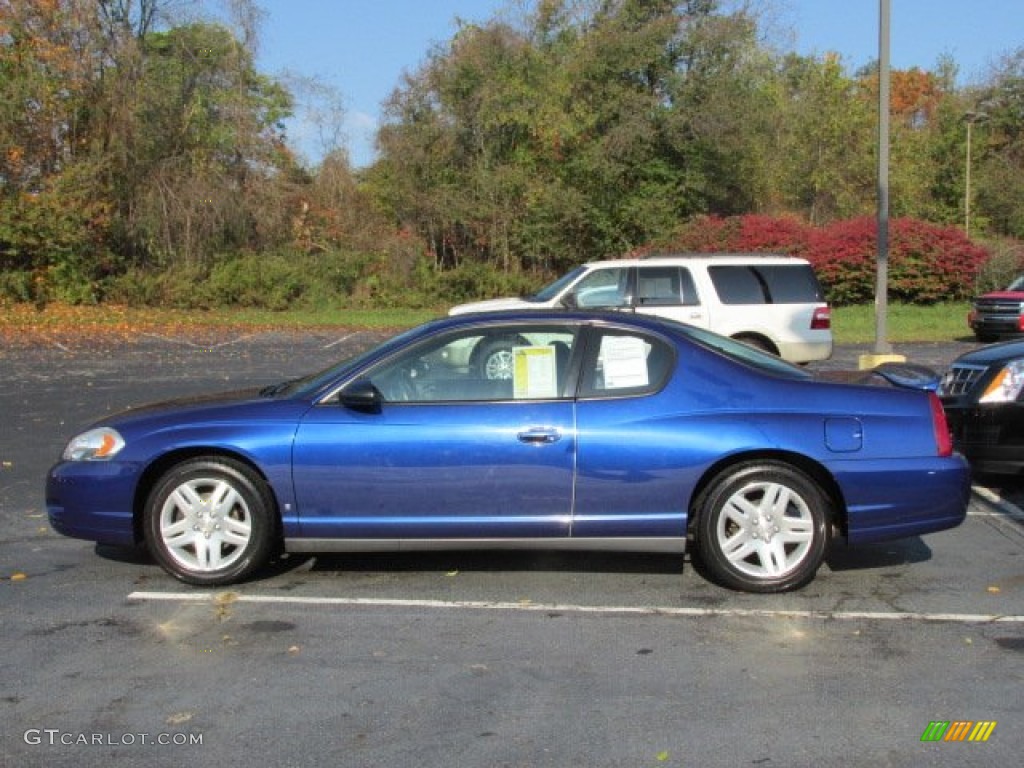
(361, 395)
(569, 301)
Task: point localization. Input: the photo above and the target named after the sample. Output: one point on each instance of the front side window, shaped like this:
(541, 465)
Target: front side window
(493, 364)
(603, 288)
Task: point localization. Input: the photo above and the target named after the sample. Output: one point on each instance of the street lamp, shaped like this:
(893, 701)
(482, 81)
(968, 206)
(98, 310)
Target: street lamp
(971, 118)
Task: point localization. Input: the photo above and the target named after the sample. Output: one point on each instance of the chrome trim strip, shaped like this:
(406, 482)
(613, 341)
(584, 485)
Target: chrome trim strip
(617, 544)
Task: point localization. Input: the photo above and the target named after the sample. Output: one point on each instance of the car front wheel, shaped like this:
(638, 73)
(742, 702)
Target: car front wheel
(210, 521)
(762, 527)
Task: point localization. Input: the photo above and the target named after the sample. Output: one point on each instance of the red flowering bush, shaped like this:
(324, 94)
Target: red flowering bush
(927, 263)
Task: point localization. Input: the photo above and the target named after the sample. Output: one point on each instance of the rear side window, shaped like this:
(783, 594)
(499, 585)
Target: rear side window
(620, 363)
(665, 287)
(765, 284)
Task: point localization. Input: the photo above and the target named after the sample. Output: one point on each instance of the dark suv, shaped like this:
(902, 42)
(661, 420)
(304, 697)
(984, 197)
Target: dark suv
(1000, 313)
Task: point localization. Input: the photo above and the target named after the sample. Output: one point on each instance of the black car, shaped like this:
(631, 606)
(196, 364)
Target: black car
(983, 394)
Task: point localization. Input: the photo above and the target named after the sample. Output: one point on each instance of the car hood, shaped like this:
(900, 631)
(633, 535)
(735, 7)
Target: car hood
(992, 354)
(491, 305)
(224, 406)
(1004, 295)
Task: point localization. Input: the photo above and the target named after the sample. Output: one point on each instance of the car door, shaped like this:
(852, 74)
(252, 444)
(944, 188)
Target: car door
(670, 291)
(629, 480)
(444, 452)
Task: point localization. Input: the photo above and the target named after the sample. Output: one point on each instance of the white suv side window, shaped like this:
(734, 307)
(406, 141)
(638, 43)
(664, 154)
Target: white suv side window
(665, 287)
(603, 288)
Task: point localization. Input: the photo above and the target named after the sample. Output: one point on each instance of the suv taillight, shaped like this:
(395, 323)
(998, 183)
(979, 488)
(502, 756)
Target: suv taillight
(822, 319)
(943, 438)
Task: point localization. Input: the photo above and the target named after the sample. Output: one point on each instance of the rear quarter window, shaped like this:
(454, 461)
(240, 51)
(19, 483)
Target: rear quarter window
(765, 284)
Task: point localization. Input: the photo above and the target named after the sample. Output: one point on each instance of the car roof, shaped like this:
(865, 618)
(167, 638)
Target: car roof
(557, 315)
(677, 259)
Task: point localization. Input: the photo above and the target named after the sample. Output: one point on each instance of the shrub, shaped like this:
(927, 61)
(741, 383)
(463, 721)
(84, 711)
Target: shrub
(927, 263)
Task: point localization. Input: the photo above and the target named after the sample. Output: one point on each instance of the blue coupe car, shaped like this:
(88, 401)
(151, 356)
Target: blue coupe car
(536, 429)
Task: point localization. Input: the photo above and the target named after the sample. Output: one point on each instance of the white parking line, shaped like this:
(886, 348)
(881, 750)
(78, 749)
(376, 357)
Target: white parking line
(1002, 506)
(526, 606)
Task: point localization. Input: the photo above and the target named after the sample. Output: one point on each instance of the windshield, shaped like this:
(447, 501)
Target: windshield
(1017, 285)
(315, 381)
(550, 291)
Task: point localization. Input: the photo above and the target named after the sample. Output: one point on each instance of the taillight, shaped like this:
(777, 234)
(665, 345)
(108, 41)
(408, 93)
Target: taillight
(1020, 319)
(943, 438)
(822, 319)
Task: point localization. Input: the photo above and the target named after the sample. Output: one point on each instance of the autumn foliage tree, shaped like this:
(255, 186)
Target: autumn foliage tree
(144, 157)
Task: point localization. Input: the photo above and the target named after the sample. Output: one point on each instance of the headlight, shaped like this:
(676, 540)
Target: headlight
(1007, 385)
(95, 445)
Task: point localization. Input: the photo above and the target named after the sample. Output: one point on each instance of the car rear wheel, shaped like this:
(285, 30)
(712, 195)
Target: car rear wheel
(210, 521)
(758, 342)
(762, 527)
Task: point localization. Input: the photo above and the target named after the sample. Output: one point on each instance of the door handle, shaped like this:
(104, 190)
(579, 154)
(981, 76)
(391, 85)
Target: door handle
(540, 436)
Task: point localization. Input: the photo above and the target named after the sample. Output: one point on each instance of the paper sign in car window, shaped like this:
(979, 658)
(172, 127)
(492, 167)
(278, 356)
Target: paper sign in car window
(534, 375)
(625, 362)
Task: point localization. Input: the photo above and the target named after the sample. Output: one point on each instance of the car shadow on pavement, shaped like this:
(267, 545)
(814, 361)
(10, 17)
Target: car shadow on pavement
(138, 555)
(862, 557)
(499, 560)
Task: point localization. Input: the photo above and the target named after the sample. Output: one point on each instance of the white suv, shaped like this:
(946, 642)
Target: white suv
(772, 302)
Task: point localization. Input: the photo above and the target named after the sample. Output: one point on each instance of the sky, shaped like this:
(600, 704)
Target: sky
(361, 48)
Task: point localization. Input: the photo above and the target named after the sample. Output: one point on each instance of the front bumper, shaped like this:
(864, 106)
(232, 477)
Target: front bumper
(93, 500)
(990, 437)
(996, 325)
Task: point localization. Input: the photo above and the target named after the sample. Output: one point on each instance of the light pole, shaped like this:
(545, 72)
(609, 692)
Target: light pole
(882, 346)
(971, 118)
(882, 351)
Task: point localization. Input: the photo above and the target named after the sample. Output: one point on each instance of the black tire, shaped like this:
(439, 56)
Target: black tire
(211, 521)
(758, 342)
(986, 338)
(747, 542)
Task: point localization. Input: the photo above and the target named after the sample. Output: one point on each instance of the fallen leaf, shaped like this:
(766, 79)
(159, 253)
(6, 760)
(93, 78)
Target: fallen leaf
(18, 576)
(993, 590)
(662, 757)
(294, 649)
(180, 717)
(452, 573)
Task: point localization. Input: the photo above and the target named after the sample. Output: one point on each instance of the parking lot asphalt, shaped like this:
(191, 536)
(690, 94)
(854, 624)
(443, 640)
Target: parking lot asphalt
(476, 659)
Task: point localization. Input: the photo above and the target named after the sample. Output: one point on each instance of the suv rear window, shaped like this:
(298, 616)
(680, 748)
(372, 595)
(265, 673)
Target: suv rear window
(765, 284)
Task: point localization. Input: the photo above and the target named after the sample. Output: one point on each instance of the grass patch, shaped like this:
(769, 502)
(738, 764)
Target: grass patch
(904, 323)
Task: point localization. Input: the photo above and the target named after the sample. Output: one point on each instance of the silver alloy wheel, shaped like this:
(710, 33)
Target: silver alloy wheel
(765, 530)
(499, 365)
(205, 524)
